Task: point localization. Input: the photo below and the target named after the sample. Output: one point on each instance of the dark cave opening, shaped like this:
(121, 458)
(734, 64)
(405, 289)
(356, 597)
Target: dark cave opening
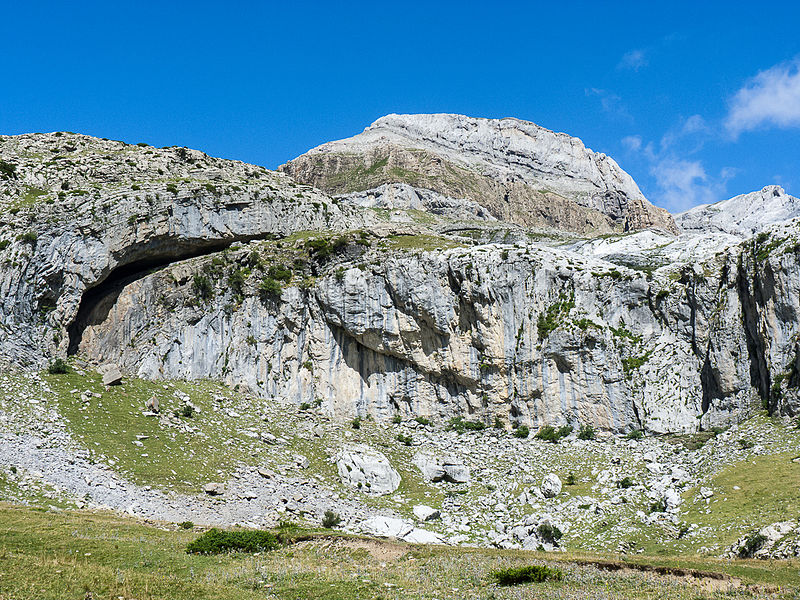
(98, 300)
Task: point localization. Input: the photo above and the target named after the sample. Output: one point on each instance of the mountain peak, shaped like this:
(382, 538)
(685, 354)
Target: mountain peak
(517, 170)
(743, 215)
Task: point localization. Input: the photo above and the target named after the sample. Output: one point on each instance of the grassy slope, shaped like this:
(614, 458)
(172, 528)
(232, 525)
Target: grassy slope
(47, 555)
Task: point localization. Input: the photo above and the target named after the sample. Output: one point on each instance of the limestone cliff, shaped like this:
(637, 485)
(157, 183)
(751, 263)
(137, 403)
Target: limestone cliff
(517, 170)
(174, 264)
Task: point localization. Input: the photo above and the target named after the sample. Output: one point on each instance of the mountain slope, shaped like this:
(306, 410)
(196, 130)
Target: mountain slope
(519, 171)
(743, 215)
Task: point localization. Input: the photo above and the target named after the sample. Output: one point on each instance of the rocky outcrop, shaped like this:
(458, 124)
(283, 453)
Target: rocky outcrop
(517, 170)
(744, 215)
(175, 265)
(367, 469)
(81, 217)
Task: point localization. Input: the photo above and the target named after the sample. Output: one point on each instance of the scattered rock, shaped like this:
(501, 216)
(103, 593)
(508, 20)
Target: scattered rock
(425, 513)
(366, 469)
(111, 374)
(214, 489)
(551, 486)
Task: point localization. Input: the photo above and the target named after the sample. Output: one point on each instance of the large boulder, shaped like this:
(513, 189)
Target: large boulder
(551, 486)
(448, 468)
(386, 527)
(366, 469)
(111, 374)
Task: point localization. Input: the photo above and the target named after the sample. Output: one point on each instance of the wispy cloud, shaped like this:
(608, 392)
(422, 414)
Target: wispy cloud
(633, 60)
(632, 143)
(610, 103)
(681, 181)
(685, 183)
(771, 98)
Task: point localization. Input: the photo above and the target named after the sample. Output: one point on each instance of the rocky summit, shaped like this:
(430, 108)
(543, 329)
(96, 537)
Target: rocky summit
(443, 329)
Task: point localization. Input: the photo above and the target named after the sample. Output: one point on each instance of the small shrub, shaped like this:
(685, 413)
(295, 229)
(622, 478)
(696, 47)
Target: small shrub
(186, 525)
(330, 519)
(547, 433)
(58, 367)
(396, 419)
(549, 533)
(356, 423)
(187, 411)
(625, 483)
(202, 286)
(752, 544)
(305, 406)
(498, 423)
(29, 237)
(217, 541)
(7, 170)
(564, 431)
(404, 439)
(422, 420)
(459, 425)
(635, 434)
(522, 431)
(586, 432)
(571, 479)
(172, 188)
(269, 289)
(659, 506)
(530, 574)
(746, 444)
(280, 273)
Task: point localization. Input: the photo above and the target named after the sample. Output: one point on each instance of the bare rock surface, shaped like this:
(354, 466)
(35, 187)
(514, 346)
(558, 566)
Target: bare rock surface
(519, 171)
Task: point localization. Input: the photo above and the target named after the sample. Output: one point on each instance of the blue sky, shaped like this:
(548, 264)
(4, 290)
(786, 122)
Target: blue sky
(698, 101)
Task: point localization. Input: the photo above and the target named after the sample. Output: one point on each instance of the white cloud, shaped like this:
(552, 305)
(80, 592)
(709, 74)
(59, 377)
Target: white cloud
(632, 143)
(685, 183)
(610, 102)
(633, 60)
(770, 98)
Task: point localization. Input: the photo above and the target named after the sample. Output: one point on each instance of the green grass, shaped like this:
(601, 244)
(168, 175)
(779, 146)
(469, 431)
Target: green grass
(169, 457)
(46, 555)
(768, 492)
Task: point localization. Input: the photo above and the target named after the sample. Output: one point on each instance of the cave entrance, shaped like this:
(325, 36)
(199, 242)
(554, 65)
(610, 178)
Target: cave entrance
(98, 300)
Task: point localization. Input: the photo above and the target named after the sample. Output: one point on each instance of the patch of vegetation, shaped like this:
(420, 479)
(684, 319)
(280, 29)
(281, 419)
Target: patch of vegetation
(58, 367)
(633, 363)
(218, 541)
(522, 431)
(549, 533)
(202, 286)
(586, 432)
(625, 483)
(549, 320)
(752, 544)
(29, 237)
(422, 420)
(8, 170)
(280, 273)
(330, 519)
(459, 425)
(634, 434)
(404, 439)
(529, 574)
(269, 289)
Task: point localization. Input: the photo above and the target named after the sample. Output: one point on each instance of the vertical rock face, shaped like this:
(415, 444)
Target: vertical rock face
(169, 263)
(100, 212)
(538, 337)
(519, 171)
